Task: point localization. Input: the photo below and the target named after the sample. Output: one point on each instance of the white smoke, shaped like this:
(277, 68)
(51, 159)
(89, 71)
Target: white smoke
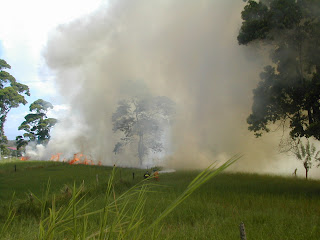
(35, 151)
(184, 49)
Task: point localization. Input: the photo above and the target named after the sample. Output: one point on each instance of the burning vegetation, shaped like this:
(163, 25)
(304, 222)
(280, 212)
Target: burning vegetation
(78, 158)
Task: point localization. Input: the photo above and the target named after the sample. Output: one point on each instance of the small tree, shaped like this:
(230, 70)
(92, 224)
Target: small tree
(307, 153)
(142, 121)
(37, 125)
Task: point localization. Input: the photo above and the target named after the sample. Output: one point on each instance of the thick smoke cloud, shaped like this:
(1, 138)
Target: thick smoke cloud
(185, 50)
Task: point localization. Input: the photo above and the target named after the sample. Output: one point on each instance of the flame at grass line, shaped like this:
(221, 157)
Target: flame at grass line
(55, 157)
(76, 158)
(24, 158)
(80, 158)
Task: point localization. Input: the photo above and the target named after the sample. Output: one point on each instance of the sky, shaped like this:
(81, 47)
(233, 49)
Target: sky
(24, 30)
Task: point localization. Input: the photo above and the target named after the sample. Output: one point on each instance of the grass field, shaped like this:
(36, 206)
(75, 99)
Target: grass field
(270, 207)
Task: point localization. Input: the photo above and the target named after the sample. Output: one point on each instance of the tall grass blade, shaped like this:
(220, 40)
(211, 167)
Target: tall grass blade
(10, 217)
(202, 178)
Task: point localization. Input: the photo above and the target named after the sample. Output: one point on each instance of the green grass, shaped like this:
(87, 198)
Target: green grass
(271, 207)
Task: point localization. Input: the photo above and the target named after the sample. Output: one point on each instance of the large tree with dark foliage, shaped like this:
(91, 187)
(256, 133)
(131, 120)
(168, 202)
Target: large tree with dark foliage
(37, 125)
(11, 95)
(289, 90)
(141, 121)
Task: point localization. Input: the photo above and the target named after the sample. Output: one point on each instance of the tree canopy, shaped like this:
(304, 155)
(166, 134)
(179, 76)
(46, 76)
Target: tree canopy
(142, 120)
(37, 125)
(289, 90)
(11, 94)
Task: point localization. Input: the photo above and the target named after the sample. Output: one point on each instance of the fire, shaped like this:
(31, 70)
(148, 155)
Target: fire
(87, 161)
(76, 158)
(80, 158)
(25, 158)
(56, 157)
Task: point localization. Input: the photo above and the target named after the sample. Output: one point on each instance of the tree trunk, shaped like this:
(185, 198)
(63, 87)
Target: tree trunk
(306, 173)
(310, 117)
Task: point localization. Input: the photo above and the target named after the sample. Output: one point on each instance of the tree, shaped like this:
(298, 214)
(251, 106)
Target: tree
(11, 95)
(21, 142)
(289, 90)
(307, 153)
(142, 121)
(4, 150)
(37, 125)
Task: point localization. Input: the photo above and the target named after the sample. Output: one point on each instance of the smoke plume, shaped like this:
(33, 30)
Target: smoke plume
(185, 50)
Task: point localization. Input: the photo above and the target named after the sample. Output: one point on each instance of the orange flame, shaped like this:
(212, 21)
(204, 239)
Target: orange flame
(56, 157)
(86, 161)
(76, 158)
(80, 158)
(24, 158)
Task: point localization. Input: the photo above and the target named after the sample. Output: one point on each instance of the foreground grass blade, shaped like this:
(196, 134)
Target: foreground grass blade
(121, 217)
(202, 178)
(10, 217)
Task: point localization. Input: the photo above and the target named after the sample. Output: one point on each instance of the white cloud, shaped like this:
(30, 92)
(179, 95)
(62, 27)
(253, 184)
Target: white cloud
(59, 111)
(42, 88)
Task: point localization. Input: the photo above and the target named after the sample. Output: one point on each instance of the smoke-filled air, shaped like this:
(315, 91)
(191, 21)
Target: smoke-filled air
(186, 51)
